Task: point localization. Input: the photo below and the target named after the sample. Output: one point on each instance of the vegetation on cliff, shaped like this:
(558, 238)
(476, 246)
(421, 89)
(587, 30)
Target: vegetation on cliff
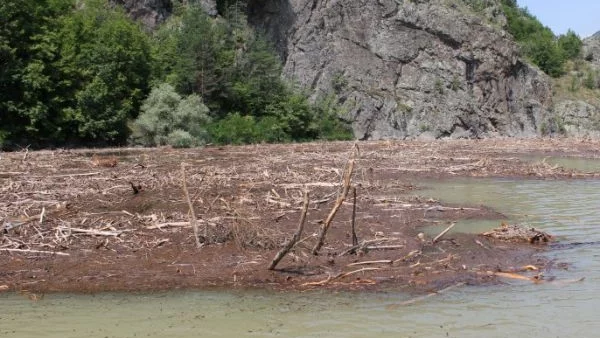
(80, 72)
(538, 42)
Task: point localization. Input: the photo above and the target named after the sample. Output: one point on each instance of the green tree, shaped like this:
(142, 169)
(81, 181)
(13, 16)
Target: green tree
(545, 53)
(69, 73)
(234, 129)
(538, 42)
(27, 49)
(571, 44)
(203, 61)
(106, 58)
(238, 74)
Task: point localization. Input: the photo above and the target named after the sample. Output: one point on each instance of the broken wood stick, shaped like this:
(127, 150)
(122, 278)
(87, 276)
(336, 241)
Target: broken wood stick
(42, 215)
(346, 274)
(340, 200)
(438, 237)
(354, 238)
(91, 232)
(384, 247)
(418, 299)
(512, 275)
(77, 175)
(364, 245)
(36, 251)
(169, 224)
(289, 245)
(383, 261)
(338, 276)
(193, 219)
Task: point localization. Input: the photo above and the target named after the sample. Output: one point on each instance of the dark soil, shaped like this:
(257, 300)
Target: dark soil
(98, 233)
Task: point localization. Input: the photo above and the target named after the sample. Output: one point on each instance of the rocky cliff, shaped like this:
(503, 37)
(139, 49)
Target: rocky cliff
(152, 12)
(578, 113)
(408, 68)
(149, 12)
(591, 49)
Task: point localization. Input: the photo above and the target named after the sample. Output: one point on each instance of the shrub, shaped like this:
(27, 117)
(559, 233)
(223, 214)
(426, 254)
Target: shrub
(180, 139)
(329, 124)
(455, 84)
(590, 80)
(545, 53)
(570, 44)
(270, 129)
(164, 112)
(234, 129)
(439, 86)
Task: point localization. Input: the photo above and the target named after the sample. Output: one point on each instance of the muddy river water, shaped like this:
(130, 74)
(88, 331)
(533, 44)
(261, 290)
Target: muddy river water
(568, 209)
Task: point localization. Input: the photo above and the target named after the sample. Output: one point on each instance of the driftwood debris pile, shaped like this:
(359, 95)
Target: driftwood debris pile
(518, 233)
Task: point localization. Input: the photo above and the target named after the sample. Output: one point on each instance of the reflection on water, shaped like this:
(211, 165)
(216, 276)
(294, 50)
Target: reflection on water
(568, 209)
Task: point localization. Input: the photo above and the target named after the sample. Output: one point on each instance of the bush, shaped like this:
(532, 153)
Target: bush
(546, 54)
(330, 126)
(590, 80)
(180, 139)
(234, 129)
(570, 44)
(270, 129)
(164, 112)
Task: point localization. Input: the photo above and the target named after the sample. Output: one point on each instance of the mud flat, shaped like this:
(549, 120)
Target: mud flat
(118, 219)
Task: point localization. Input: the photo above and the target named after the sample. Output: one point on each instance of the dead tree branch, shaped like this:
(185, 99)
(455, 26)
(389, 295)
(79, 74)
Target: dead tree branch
(354, 238)
(340, 200)
(193, 219)
(284, 251)
(438, 237)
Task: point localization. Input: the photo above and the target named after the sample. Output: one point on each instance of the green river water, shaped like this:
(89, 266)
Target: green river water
(568, 209)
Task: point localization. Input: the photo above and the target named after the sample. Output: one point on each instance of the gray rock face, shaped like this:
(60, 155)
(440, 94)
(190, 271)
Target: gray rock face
(210, 6)
(152, 12)
(591, 49)
(149, 12)
(576, 118)
(409, 68)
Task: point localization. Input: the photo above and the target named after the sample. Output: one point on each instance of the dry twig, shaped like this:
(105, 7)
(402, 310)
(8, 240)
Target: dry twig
(418, 299)
(438, 237)
(354, 238)
(36, 251)
(340, 200)
(193, 219)
(296, 236)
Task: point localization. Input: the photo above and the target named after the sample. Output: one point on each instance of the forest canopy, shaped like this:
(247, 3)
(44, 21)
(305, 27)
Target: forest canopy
(81, 73)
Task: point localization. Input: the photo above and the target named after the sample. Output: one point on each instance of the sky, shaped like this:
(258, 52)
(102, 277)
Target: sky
(582, 16)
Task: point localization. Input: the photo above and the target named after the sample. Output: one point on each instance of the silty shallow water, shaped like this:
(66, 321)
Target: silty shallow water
(568, 209)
